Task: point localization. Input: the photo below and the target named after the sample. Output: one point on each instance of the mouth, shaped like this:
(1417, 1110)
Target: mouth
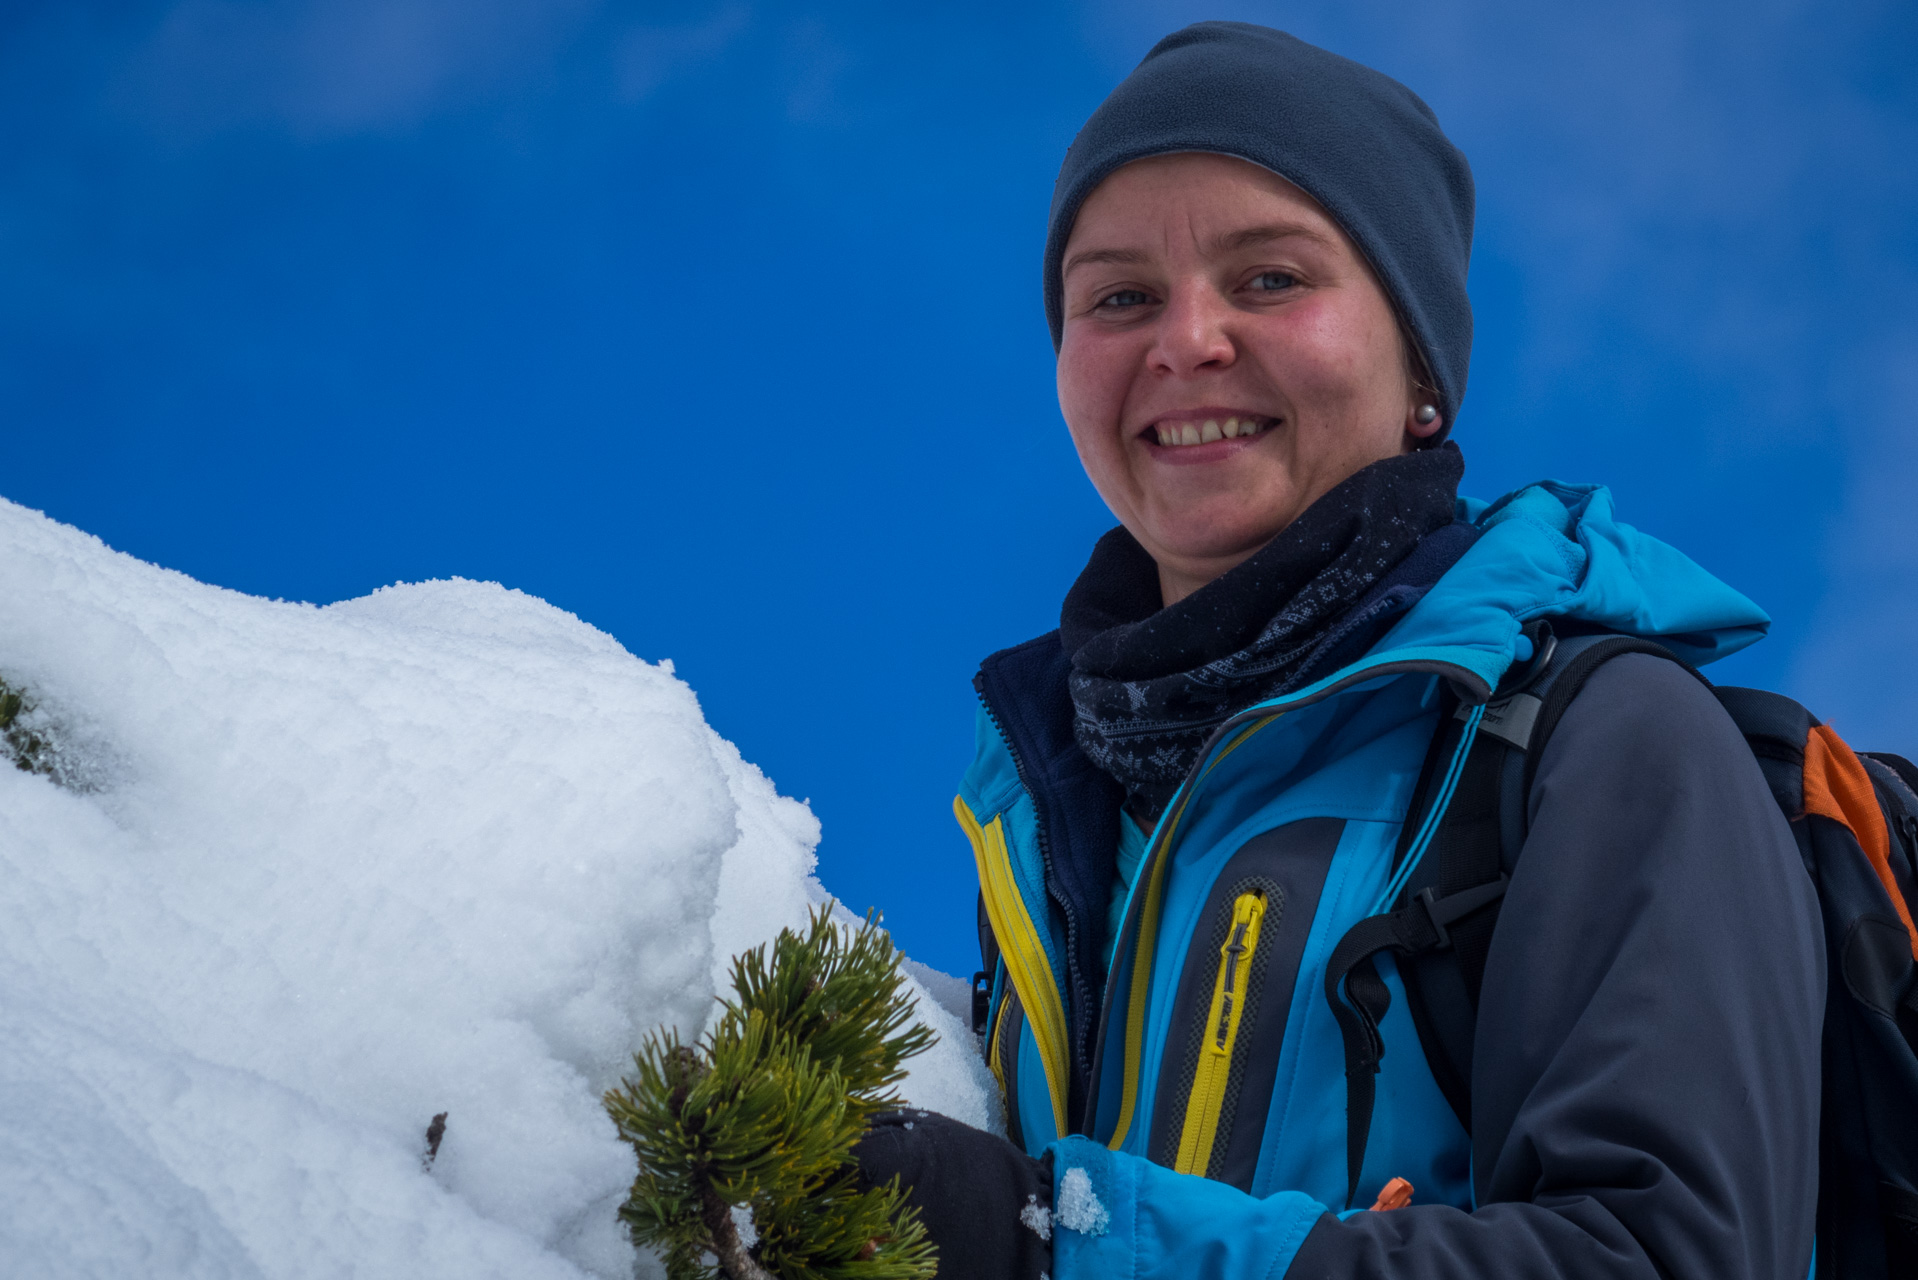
(1181, 431)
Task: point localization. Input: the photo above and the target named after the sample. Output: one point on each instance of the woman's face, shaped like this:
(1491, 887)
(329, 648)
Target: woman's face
(1228, 358)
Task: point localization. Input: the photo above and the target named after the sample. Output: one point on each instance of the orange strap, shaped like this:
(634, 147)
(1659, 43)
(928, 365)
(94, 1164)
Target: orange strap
(1837, 787)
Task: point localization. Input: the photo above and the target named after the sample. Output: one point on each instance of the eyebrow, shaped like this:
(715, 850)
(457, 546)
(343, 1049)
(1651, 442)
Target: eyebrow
(1232, 242)
(1254, 236)
(1087, 257)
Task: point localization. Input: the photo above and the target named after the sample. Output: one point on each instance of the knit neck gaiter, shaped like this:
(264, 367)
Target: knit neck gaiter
(1150, 683)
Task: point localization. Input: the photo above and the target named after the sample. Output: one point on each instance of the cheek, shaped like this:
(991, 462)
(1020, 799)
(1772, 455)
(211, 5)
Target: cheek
(1330, 352)
(1094, 372)
(1094, 377)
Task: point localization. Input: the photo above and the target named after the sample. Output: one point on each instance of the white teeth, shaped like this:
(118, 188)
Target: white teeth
(1184, 433)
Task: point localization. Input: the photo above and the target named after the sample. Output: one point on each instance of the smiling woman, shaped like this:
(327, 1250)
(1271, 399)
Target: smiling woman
(1229, 356)
(1198, 805)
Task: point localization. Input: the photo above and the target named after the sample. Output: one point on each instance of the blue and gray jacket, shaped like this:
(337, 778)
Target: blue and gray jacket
(1645, 1078)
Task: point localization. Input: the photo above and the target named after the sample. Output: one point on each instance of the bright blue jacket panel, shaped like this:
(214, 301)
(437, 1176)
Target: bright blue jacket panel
(1117, 1215)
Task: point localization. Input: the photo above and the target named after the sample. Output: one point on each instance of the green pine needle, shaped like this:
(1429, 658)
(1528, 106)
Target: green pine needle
(29, 750)
(763, 1112)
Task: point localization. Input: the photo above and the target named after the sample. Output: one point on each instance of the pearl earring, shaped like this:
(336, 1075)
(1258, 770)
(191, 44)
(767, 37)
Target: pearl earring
(1426, 416)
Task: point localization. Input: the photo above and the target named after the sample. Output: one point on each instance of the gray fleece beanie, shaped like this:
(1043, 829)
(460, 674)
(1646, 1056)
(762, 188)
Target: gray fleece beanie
(1357, 141)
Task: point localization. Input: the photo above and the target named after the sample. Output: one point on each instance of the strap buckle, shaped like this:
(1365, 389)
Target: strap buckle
(1454, 907)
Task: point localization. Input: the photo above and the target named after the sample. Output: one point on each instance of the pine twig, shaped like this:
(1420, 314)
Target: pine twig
(762, 1113)
(734, 1258)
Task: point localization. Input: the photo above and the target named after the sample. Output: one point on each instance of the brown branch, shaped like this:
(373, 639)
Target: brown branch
(734, 1258)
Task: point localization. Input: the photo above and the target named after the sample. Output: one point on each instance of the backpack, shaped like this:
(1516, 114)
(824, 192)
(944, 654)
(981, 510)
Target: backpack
(1854, 816)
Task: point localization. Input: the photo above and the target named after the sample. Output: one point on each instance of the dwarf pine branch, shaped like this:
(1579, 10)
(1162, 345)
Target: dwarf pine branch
(760, 1116)
(28, 749)
(34, 739)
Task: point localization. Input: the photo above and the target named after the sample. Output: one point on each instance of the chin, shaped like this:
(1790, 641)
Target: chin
(1213, 543)
(1221, 531)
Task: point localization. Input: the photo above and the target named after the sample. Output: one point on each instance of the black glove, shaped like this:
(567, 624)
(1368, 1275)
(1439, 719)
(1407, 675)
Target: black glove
(986, 1204)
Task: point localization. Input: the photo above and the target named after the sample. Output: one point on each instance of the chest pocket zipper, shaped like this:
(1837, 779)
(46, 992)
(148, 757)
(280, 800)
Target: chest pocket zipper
(1214, 1070)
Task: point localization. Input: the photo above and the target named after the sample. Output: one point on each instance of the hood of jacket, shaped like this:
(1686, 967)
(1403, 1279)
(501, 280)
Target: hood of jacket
(1559, 552)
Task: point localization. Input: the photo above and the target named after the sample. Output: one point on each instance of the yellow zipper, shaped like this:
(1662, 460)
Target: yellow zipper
(1207, 1098)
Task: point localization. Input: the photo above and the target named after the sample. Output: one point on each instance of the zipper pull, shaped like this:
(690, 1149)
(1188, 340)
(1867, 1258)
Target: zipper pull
(1246, 914)
(1396, 1194)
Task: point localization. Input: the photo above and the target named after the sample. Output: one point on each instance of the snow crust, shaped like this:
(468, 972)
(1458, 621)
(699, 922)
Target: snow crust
(1078, 1207)
(1036, 1218)
(310, 876)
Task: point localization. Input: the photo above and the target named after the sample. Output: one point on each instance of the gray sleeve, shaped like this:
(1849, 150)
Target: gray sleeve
(1645, 1085)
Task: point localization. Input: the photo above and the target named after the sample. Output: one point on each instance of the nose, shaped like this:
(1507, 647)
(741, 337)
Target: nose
(1194, 331)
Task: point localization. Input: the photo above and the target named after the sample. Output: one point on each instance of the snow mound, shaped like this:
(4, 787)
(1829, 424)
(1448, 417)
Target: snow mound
(306, 877)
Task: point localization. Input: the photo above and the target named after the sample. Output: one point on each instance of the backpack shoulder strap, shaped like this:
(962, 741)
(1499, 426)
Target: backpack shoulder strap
(1584, 655)
(1440, 927)
(1521, 719)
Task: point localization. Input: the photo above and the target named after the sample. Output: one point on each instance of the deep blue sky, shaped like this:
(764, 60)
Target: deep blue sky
(718, 324)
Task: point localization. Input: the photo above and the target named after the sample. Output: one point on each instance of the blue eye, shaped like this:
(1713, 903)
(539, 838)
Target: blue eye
(1125, 298)
(1273, 281)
